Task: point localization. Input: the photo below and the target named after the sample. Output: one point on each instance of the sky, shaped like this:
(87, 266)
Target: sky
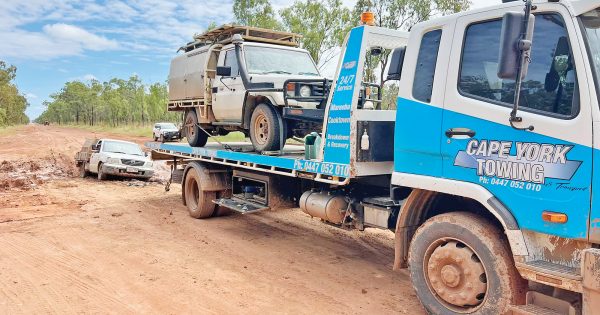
(55, 41)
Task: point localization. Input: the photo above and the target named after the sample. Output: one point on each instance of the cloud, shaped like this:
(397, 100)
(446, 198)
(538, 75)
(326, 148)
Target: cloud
(70, 34)
(55, 40)
(84, 78)
(71, 28)
(30, 96)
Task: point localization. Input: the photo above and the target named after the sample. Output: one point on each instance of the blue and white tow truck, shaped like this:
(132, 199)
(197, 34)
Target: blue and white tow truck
(491, 193)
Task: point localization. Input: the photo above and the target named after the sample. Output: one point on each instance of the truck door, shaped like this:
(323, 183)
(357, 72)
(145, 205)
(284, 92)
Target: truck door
(95, 157)
(229, 97)
(530, 172)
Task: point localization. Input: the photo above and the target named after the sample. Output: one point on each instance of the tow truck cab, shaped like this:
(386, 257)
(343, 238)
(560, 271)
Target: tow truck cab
(454, 140)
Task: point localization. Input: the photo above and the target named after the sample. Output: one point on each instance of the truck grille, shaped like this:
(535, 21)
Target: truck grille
(132, 162)
(317, 90)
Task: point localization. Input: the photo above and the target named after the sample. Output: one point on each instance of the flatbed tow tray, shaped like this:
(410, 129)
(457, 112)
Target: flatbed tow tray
(290, 163)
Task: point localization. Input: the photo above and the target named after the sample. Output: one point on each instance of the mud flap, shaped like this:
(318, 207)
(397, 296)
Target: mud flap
(591, 281)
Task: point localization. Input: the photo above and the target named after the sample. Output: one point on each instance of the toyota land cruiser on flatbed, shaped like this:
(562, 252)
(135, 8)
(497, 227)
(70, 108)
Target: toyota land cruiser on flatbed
(253, 80)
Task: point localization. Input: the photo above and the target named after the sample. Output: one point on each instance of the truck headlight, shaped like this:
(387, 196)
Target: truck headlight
(148, 164)
(113, 161)
(305, 91)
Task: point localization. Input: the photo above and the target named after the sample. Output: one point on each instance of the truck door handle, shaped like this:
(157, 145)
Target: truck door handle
(460, 132)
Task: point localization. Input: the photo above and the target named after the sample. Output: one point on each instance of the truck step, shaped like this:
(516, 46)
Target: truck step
(555, 269)
(238, 205)
(532, 310)
(542, 304)
(552, 274)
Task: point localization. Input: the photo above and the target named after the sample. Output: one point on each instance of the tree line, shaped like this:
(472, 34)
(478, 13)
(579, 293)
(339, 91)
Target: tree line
(115, 102)
(323, 25)
(12, 102)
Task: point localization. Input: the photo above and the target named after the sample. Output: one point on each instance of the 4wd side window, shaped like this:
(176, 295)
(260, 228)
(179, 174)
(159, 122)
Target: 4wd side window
(231, 61)
(426, 63)
(550, 84)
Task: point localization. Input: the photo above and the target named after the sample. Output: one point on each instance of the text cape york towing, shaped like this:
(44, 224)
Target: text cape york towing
(480, 204)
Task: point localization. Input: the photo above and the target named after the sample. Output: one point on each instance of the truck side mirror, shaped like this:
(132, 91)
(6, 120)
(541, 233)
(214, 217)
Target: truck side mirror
(396, 63)
(224, 71)
(512, 44)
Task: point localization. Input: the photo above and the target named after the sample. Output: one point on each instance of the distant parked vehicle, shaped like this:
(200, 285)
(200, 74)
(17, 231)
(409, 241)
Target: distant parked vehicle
(166, 132)
(106, 157)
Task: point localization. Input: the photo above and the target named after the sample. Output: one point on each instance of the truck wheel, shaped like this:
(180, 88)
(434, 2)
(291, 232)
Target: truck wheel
(266, 129)
(82, 171)
(198, 201)
(101, 174)
(195, 136)
(461, 264)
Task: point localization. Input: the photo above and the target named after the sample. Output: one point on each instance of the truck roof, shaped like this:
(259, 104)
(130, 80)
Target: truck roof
(576, 8)
(224, 34)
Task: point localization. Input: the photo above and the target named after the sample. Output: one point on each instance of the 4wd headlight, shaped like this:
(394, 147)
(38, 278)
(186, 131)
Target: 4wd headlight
(305, 91)
(113, 161)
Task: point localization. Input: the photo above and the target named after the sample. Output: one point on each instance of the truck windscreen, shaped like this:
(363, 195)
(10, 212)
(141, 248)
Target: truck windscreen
(591, 25)
(265, 60)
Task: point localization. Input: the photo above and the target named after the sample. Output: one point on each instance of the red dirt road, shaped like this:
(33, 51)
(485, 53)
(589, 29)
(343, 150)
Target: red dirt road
(71, 245)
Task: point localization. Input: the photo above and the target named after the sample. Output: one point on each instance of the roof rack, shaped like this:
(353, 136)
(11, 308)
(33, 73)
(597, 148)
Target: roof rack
(224, 33)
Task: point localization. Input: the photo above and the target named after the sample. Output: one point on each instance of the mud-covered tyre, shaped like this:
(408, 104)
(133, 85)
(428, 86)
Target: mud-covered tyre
(82, 171)
(460, 263)
(198, 201)
(101, 174)
(266, 127)
(195, 136)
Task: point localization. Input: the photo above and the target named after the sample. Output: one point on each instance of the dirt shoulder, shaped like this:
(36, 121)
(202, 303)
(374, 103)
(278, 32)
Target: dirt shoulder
(71, 245)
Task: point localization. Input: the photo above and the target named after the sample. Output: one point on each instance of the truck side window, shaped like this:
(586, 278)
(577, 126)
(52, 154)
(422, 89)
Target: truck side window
(231, 61)
(551, 81)
(426, 63)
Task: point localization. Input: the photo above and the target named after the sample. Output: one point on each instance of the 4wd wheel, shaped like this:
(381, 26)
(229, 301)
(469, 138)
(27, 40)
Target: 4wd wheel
(266, 127)
(462, 264)
(82, 171)
(195, 136)
(198, 201)
(101, 174)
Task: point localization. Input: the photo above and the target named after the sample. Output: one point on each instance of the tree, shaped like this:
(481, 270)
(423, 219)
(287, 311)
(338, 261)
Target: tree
(12, 103)
(322, 23)
(258, 13)
(115, 102)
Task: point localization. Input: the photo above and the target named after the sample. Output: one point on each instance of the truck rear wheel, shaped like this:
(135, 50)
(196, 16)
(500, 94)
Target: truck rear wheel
(101, 174)
(266, 128)
(461, 264)
(82, 170)
(198, 201)
(195, 136)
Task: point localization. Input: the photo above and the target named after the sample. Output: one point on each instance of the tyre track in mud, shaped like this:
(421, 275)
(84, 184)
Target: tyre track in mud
(108, 247)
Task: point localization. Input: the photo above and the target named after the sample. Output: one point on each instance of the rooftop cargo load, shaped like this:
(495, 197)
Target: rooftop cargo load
(188, 76)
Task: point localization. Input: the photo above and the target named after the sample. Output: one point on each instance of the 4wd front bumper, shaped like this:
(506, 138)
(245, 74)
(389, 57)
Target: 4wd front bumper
(128, 171)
